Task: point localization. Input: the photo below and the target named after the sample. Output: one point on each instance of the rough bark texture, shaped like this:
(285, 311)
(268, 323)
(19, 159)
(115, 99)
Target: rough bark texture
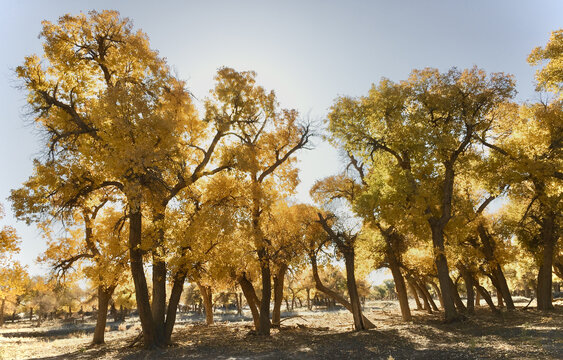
(333, 294)
(138, 274)
(104, 295)
(278, 295)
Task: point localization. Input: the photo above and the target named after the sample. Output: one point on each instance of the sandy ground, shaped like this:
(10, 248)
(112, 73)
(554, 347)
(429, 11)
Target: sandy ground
(521, 334)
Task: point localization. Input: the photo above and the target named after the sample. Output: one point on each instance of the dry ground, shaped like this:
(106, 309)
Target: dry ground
(310, 335)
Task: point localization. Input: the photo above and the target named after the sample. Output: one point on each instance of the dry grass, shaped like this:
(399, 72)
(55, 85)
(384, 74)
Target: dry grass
(313, 335)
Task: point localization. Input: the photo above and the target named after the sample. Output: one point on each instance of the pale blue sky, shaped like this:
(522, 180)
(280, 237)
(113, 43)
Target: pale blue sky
(308, 51)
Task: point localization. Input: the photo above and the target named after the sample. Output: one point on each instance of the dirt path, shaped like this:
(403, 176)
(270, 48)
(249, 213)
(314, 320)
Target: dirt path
(324, 335)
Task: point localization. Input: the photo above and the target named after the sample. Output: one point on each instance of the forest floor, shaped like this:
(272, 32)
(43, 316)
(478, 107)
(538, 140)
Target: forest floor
(318, 334)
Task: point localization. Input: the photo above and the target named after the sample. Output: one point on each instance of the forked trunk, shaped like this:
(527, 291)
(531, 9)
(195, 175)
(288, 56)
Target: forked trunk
(414, 293)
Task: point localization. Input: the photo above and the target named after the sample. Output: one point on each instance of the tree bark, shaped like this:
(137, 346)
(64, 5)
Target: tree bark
(175, 295)
(333, 294)
(485, 295)
(2, 311)
(353, 290)
(549, 239)
(399, 280)
(264, 328)
(426, 298)
(207, 295)
(309, 305)
(469, 285)
(104, 295)
(438, 295)
(414, 294)
(488, 251)
(278, 295)
(450, 313)
(457, 299)
(251, 298)
(158, 306)
(138, 274)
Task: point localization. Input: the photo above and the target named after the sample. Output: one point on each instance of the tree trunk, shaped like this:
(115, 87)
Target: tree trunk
(353, 289)
(426, 298)
(2, 311)
(158, 305)
(500, 303)
(457, 299)
(468, 280)
(207, 295)
(488, 251)
(438, 294)
(138, 274)
(309, 305)
(485, 295)
(400, 286)
(251, 298)
(104, 295)
(333, 294)
(414, 294)
(450, 313)
(175, 295)
(264, 328)
(239, 303)
(549, 238)
(429, 296)
(477, 296)
(278, 295)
